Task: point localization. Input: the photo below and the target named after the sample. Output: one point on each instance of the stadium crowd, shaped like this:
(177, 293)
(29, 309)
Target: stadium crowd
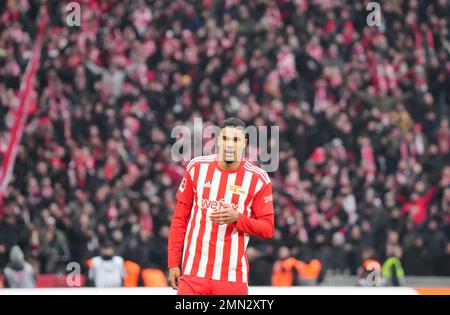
(363, 114)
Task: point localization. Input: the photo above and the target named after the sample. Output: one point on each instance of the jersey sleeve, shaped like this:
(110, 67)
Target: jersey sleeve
(177, 233)
(263, 201)
(185, 193)
(262, 208)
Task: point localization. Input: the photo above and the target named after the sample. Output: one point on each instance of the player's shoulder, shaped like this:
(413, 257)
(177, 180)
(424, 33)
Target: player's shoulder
(199, 160)
(257, 171)
(96, 260)
(118, 260)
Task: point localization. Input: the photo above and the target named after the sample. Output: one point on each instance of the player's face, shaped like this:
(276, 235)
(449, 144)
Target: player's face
(232, 144)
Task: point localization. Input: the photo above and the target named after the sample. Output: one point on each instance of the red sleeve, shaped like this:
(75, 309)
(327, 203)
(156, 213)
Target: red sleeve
(263, 223)
(262, 201)
(429, 195)
(180, 221)
(185, 192)
(260, 227)
(177, 233)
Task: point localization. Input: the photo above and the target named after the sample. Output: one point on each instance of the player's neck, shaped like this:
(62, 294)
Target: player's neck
(229, 166)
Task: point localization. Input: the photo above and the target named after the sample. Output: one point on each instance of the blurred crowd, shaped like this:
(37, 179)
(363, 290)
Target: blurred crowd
(363, 114)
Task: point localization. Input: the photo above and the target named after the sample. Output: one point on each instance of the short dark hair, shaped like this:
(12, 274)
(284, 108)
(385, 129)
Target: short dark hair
(232, 122)
(107, 244)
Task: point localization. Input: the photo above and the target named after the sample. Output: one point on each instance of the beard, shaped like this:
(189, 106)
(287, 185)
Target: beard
(229, 159)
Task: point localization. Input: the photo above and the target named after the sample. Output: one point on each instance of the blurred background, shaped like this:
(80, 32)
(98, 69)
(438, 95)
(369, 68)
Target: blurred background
(362, 194)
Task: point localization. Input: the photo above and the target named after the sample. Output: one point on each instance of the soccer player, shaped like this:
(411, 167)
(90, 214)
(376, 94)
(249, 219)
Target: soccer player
(221, 201)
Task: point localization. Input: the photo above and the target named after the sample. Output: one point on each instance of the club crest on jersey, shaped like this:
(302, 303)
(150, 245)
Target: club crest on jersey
(235, 189)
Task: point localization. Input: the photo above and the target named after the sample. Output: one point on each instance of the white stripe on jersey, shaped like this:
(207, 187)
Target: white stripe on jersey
(235, 234)
(244, 261)
(258, 170)
(187, 231)
(221, 231)
(258, 187)
(209, 224)
(246, 239)
(205, 158)
(194, 204)
(196, 220)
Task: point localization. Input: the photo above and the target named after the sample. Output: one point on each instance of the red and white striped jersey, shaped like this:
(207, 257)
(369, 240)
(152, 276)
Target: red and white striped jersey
(218, 251)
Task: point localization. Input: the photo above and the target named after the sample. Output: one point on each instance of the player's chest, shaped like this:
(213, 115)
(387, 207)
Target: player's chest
(227, 191)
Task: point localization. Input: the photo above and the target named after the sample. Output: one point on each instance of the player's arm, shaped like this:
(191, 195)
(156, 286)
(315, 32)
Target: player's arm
(261, 226)
(263, 223)
(177, 233)
(178, 228)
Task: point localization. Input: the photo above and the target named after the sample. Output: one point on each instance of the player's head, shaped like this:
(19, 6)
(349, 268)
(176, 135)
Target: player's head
(107, 250)
(232, 140)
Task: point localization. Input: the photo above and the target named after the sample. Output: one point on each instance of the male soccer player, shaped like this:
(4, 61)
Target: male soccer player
(222, 200)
